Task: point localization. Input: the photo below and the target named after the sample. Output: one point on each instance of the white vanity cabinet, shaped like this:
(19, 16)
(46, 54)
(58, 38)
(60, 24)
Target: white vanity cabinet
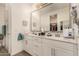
(41, 46)
(57, 48)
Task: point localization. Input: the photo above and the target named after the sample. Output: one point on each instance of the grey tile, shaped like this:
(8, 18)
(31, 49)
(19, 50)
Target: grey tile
(23, 53)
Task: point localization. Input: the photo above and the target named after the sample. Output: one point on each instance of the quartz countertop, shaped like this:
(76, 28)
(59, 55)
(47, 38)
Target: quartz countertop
(62, 39)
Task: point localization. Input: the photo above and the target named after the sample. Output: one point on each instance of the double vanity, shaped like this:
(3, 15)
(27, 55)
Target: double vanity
(49, 45)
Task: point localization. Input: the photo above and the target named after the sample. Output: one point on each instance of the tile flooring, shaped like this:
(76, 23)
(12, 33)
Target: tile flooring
(23, 53)
(4, 52)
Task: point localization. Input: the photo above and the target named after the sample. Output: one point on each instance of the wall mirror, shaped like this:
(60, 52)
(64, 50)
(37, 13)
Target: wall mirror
(52, 17)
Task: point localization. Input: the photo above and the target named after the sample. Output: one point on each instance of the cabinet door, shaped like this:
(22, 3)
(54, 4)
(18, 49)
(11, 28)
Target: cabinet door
(28, 45)
(55, 48)
(63, 52)
(37, 49)
(47, 50)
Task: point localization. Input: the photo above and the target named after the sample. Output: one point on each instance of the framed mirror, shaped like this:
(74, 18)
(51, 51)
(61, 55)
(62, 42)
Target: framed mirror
(51, 17)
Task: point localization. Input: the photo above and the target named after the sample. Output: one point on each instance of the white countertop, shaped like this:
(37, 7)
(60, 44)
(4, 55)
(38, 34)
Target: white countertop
(62, 39)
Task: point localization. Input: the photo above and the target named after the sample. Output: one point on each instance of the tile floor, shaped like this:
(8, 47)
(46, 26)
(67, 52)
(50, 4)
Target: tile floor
(23, 53)
(4, 52)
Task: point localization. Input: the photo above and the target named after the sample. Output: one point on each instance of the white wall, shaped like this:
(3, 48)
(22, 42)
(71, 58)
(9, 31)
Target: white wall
(19, 12)
(2, 19)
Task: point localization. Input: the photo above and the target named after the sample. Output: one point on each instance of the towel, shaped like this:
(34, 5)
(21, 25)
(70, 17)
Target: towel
(4, 30)
(20, 36)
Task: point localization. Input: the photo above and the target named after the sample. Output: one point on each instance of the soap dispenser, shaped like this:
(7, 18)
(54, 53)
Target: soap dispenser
(42, 31)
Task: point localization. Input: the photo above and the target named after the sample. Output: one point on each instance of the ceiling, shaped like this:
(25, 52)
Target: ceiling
(52, 6)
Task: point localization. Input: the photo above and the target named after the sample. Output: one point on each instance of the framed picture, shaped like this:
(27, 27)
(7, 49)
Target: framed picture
(24, 22)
